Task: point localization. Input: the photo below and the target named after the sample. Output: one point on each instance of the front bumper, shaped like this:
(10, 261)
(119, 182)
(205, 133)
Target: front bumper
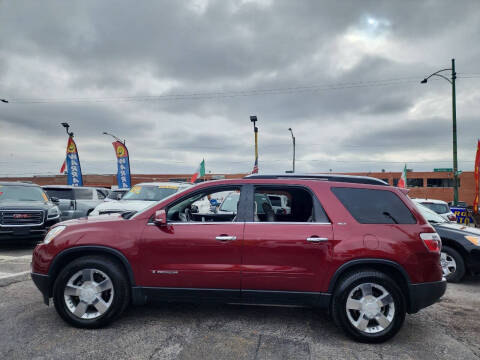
(425, 294)
(43, 284)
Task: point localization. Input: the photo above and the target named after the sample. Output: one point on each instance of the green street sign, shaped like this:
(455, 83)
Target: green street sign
(443, 170)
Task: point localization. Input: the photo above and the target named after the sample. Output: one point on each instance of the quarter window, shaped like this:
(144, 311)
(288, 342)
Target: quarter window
(370, 206)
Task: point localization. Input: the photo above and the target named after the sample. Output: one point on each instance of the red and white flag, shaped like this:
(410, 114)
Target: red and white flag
(402, 183)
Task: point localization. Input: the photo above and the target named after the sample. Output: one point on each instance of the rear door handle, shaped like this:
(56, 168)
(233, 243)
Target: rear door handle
(226, 238)
(316, 239)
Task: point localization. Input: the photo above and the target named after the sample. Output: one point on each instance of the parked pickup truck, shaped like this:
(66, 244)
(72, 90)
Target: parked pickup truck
(25, 212)
(75, 201)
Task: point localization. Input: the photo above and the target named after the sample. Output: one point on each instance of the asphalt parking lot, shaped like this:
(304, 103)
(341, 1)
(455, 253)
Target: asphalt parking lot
(30, 330)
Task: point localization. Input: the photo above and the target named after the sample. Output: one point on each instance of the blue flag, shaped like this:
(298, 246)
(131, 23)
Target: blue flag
(73, 164)
(123, 165)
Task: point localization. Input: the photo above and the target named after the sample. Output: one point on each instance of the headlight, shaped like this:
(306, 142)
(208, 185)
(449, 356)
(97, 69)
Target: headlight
(475, 240)
(53, 232)
(53, 213)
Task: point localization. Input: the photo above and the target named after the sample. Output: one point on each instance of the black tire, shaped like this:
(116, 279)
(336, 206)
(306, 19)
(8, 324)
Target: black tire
(120, 294)
(339, 305)
(459, 273)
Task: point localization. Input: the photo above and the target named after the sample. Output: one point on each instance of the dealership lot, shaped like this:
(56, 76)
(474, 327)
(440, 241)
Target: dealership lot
(29, 329)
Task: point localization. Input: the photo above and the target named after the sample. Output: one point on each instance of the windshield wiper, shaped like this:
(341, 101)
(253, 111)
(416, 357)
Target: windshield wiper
(128, 214)
(387, 214)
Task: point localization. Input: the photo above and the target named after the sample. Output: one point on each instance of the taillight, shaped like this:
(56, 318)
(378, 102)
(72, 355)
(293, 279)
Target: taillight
(452, 217)
(432, 241)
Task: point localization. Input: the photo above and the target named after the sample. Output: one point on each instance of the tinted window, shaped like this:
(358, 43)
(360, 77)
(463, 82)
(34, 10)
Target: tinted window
(369, 206)
(64, 194)
(83, 194)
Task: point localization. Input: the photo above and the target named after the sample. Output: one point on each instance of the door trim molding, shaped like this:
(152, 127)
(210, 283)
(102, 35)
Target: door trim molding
(141, 295)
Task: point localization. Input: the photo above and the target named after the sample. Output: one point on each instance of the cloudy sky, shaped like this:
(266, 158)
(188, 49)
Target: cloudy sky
(179, 80)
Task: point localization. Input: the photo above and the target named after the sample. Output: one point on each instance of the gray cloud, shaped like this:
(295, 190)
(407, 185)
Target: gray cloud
(110, 51)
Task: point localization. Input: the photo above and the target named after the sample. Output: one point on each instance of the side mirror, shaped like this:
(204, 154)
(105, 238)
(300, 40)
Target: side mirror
(160, 218)
(54, 200)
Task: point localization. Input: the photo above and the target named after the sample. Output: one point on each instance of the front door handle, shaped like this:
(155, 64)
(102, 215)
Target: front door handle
(316, 239)
(226, 238)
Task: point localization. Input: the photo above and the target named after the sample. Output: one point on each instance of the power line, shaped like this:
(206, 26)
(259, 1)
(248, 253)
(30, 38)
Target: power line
(220, 94)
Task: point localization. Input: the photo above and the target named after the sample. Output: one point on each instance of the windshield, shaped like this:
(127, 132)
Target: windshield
(22, 193)
(429, 215)
(230, 203)
(149, 192)
(438, 208)
(116, 195)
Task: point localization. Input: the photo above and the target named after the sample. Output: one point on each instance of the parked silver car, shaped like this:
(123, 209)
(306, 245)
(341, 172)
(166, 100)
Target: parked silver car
(75, 201)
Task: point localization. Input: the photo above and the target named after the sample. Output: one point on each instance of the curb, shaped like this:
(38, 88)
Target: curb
(14, 278)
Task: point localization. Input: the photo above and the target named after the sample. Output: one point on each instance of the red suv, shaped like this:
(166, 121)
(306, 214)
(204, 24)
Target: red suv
(352, 245)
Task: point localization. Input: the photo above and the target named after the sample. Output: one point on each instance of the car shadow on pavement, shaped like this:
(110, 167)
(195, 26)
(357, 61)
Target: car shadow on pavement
(471, 280)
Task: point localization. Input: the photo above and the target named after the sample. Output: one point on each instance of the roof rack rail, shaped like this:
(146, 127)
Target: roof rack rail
(325, 177)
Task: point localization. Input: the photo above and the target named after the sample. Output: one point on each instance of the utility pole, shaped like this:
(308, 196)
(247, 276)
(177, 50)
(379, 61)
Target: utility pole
(293, 160)
(454, 123)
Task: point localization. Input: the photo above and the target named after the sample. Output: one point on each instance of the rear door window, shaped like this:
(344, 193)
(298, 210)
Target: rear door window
(369, 206)
(83, 194)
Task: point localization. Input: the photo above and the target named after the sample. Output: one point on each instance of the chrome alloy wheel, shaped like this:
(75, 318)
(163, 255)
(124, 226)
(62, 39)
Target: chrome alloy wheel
(449, 265)
(370, 308)
(88, 293)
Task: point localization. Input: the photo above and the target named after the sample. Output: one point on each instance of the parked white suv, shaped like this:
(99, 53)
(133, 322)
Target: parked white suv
(140, 197)
(439, 206)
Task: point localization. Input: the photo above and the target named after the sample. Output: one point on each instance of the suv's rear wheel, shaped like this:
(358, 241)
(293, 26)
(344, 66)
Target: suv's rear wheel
(91, 292)
(453, 266)
(368, 306)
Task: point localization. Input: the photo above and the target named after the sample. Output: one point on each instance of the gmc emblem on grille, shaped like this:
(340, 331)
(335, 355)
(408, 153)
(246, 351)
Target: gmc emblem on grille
(21, 216)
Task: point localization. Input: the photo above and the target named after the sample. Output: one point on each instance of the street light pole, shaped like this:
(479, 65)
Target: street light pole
(454, 116)
(116, 138)
(454, 120)
(254, 120)
(293, 160)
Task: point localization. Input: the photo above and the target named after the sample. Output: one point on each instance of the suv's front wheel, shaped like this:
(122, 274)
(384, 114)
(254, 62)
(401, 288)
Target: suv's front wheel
(369, 306)
(91, 291)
